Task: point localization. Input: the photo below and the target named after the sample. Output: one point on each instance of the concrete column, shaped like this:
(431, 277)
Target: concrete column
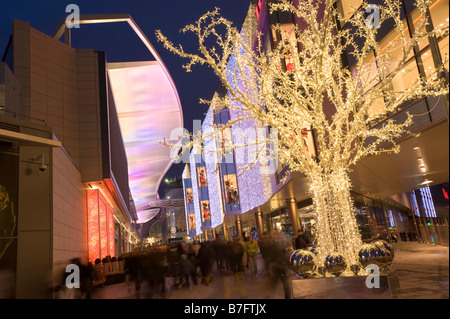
(293, 215)
(259, 222)
(225, 231)
(238, 225)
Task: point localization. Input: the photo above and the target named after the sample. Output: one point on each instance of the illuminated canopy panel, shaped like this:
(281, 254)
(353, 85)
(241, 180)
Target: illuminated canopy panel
(148, 108)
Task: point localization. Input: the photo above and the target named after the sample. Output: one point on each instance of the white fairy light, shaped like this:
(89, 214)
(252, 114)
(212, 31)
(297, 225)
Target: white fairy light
(261, 90)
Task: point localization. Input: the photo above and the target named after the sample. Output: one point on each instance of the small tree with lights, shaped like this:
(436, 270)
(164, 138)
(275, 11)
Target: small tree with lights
(317, 88)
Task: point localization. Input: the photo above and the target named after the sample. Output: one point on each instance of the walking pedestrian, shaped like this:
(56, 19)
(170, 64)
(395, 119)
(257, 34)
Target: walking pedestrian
(205, 261)
(300, 241)
(188, 271)
(251, 247)
(236, 253)
(279, 265)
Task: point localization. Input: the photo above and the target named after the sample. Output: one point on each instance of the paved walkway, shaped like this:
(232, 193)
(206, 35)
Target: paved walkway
(422, 272)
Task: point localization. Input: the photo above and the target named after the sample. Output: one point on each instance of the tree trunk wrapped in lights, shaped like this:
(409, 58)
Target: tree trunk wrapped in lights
(318, 89)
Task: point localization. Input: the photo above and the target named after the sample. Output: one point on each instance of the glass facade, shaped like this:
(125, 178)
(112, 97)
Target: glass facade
(421, 61)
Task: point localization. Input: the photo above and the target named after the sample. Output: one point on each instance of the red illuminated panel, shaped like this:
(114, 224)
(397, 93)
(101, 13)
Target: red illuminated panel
(112, 251)
(103, 229)
(93, 231)
(258, 9)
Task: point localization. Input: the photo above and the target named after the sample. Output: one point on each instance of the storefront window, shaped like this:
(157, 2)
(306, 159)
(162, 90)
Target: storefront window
(191, 221)
(201, 172)
(206, 213)
(189, 196)
(231, 191)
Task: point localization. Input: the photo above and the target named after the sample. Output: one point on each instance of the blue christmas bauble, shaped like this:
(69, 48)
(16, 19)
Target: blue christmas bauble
(389, 252)
(373, 254)
(313, 249)
(302, 263)
(335, 264)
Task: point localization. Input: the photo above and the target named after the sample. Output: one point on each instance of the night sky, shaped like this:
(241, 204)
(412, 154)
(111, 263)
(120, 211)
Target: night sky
(121, 44)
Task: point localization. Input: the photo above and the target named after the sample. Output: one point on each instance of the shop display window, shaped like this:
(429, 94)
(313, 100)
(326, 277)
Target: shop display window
(206, 212)
(191, 220)
(189, 196)
(231, 190)
(201, 172)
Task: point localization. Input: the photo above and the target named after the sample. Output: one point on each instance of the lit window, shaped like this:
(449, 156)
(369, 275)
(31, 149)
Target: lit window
(189, 196)
(191, 221)
(206, 212)
(201, 172)
(231, 190)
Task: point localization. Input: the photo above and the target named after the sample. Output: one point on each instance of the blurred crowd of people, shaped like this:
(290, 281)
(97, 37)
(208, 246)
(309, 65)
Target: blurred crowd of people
(178, 266)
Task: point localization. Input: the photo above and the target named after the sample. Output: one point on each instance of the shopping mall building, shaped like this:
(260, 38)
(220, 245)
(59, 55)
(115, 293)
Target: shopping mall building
(391, 193)
(80, 157)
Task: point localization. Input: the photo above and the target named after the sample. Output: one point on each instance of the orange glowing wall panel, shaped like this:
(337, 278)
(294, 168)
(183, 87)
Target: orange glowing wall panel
(100, 226)
(93, 231)
(103, 230)
(111, 240)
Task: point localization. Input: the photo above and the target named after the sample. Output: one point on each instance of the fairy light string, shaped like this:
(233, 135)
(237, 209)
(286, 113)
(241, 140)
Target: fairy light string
(339, 104)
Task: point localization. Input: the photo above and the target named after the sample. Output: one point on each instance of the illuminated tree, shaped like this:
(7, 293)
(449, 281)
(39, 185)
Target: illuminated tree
(317, 88)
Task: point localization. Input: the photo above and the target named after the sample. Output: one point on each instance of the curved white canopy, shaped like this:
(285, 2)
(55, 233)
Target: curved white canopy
(148, 108)
(148, 111)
